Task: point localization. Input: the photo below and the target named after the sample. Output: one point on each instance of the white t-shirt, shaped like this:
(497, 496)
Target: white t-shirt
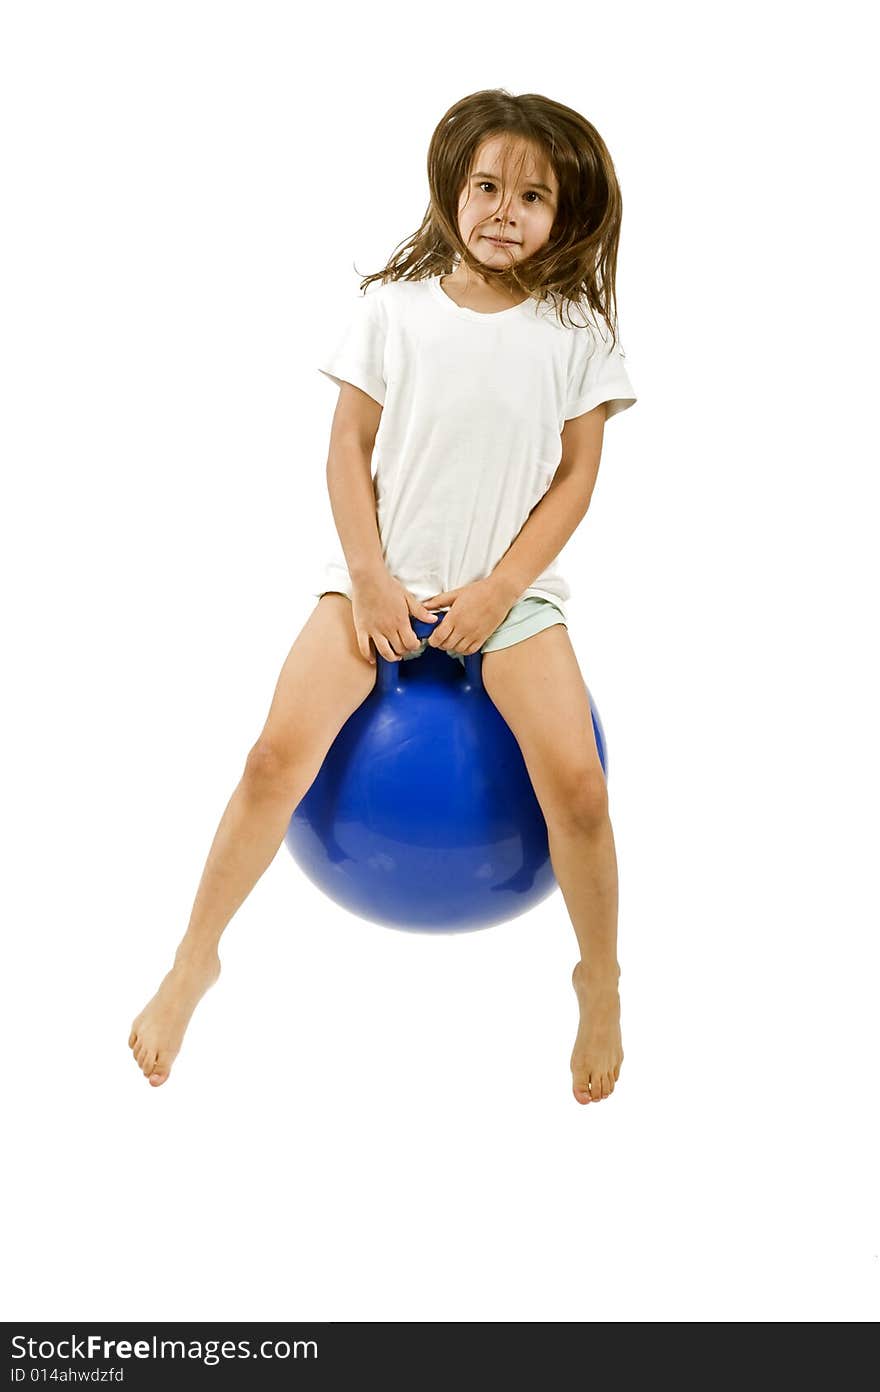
(470, 433)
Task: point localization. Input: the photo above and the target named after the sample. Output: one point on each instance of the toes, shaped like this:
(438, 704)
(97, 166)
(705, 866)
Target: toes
(160, 1070)
(580, 1082)
(132, 1039)
(594, 1087)
(149, 1061)
(139, 1054)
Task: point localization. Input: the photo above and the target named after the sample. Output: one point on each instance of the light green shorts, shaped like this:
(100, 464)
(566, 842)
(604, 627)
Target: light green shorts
(527, 617)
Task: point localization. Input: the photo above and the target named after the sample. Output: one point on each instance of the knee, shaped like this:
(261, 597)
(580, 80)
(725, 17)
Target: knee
(581, 799)
(269, 766)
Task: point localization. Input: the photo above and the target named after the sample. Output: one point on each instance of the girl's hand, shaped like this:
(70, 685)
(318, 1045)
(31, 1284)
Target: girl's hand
(475, 611)
(381, 610)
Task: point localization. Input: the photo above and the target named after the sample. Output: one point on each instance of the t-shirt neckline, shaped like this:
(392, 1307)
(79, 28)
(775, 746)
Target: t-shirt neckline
(440, 294)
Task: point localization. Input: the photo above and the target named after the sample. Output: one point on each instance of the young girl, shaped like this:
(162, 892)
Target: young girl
(480, 370)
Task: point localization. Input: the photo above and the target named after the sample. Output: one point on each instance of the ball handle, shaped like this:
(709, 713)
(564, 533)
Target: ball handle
(388, 675)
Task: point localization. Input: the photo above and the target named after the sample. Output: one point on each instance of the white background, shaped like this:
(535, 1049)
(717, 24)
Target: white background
(366, 1124)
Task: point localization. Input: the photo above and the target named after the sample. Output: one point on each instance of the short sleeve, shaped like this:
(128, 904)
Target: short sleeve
(597, 373)
(359, 354)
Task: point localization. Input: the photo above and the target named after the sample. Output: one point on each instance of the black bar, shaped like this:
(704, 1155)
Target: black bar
(308, 1354)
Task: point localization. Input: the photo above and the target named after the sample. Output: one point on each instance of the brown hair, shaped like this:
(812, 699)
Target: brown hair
(577, 264)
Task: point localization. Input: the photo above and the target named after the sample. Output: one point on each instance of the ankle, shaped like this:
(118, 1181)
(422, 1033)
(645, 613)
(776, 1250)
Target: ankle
(596, 973)
(197, 952)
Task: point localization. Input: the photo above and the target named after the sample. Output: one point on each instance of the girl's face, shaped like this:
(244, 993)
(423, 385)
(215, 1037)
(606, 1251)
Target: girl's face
(522, 216)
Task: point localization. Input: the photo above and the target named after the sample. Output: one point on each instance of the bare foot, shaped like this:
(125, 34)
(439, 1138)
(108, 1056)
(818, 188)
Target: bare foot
(157, 1033)
(598, 1052)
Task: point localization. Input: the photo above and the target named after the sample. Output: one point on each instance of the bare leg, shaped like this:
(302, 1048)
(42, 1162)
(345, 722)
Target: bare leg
(247, 839)
(538, 688)
(323, 681)
(585, 864)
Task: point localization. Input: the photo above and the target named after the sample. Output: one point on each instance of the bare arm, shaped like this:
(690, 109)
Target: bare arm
(349, 480)
(381, 607)
(561, 510)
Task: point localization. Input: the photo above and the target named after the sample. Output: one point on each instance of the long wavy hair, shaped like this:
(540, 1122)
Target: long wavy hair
(577, 264)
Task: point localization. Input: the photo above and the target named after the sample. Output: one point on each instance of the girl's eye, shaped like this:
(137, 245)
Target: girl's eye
(487, 183)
